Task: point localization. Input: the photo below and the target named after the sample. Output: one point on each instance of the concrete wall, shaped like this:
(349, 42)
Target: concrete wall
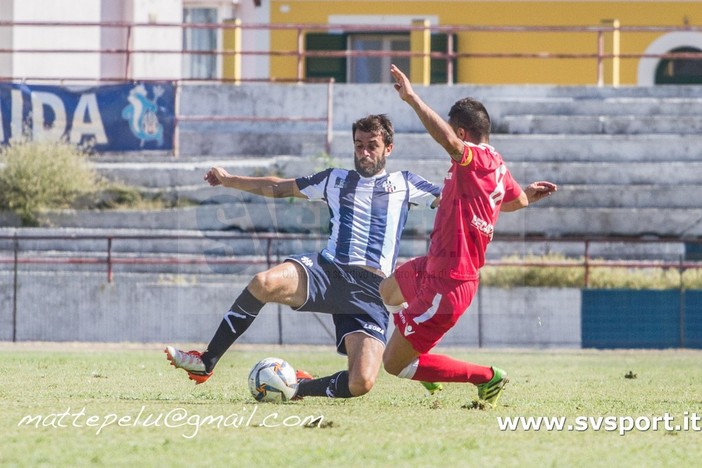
(172, 309)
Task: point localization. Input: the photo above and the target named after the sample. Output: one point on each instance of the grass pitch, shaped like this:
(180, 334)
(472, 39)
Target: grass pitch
(76, 405)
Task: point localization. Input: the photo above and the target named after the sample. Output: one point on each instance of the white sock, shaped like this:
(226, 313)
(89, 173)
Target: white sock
(409, 371)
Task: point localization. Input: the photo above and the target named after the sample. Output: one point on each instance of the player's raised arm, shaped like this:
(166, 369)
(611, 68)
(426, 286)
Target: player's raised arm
(437, 127)
(273, 187)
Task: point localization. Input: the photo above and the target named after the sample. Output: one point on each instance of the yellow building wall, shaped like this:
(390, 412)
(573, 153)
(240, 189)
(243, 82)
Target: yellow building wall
(574, 71)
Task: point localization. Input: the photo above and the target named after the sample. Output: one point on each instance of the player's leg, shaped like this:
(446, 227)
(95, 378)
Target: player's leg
(360, 322)
(395, 297)
(365, 355)
(399, 354)
(285, 283)
(421, 326)
(392, 294)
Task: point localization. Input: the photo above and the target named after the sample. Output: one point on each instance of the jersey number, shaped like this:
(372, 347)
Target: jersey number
(499, 193)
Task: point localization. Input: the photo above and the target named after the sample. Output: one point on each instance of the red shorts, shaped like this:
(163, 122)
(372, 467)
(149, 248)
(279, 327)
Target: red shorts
(434, 304)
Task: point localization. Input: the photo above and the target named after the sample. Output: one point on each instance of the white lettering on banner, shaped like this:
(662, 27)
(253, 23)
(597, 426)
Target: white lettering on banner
(15, 117)
(87, 120)
(41, 131)
(17, 125)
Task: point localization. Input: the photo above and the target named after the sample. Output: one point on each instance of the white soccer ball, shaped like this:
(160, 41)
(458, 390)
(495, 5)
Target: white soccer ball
(272, 380)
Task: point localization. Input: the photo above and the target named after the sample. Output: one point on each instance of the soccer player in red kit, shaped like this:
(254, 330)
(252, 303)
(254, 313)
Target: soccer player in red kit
(427, 295)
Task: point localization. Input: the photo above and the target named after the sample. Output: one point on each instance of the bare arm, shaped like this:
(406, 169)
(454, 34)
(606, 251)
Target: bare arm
(517, 204)
(273, 187)
(534, 192)
(437, 127)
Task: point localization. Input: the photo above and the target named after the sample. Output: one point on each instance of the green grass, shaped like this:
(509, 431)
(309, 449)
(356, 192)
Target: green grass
(570, 273)
(397, 424)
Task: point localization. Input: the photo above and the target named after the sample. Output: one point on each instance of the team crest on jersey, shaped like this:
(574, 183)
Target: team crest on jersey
(339, 183)
(388, 186)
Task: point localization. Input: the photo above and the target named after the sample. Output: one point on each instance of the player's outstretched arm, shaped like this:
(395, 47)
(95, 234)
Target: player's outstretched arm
(273, 187)
(532, 193)
(437, 127)
(539, 190)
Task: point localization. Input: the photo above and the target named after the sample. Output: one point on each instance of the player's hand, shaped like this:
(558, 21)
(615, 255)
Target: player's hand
(402, 83)
(539, 190)
(216, 176)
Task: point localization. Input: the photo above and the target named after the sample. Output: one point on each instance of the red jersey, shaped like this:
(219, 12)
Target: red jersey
(474, 190)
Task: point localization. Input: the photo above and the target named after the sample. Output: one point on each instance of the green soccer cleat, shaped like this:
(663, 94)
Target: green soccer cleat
(490, 391)
(432, 387)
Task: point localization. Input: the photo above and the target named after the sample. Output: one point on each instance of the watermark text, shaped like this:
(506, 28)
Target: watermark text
(622, 425)
(178, 418)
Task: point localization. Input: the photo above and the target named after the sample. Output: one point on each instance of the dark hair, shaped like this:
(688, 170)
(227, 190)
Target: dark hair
(470, 115)
(379, 124)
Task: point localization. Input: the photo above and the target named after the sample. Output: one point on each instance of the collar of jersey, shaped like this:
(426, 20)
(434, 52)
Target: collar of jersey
(377, 176)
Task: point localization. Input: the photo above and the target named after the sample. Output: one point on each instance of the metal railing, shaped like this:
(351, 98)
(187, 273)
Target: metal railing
(598, 54)
(109, 258)
(22, 255)
(327, 118)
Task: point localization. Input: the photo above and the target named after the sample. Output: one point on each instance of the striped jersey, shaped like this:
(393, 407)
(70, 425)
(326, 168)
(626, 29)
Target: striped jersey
(367, 213)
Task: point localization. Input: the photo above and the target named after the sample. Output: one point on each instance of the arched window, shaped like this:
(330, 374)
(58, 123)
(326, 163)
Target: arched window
(680, 71)
(678, 41)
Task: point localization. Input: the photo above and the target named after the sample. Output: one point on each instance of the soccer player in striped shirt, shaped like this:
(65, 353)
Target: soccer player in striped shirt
(428, 295)
(369, 208)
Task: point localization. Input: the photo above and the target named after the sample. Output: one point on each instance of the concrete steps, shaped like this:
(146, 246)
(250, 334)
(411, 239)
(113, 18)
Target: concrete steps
(627, 160)
(538, 220)
(566, 148)
(608, 106)
(633, 124)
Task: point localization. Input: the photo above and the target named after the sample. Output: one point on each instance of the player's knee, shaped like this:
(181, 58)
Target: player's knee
(385, 290)
(360, 385)
(391, 365)
(261, 285)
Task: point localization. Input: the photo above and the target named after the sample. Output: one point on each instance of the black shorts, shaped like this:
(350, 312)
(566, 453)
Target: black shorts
(350, 293)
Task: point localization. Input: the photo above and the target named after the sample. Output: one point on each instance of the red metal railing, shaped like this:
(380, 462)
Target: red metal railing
(109, 258)
(327, 119)
(598, 54)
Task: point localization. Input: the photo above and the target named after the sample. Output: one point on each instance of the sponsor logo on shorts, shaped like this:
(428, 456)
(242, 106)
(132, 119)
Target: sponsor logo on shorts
(306, 261)
(375, 328)
(408, 328)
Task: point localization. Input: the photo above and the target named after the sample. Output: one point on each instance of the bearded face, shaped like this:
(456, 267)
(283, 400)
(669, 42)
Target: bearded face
(370, 153)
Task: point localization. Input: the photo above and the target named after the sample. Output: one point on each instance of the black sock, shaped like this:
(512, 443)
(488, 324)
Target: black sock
(235, 322)
(333, 386)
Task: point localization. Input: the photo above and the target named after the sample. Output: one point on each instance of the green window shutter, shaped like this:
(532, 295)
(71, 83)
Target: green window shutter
(439, 43)
(680, 71)
(325, 67)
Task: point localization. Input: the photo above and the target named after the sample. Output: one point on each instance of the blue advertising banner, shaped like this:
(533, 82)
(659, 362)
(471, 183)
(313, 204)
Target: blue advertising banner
(124, 117)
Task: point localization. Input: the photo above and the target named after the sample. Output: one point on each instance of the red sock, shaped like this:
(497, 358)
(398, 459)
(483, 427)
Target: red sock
(440, 368)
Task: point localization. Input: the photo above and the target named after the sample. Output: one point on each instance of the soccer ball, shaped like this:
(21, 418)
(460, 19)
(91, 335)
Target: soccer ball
(272, 380)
